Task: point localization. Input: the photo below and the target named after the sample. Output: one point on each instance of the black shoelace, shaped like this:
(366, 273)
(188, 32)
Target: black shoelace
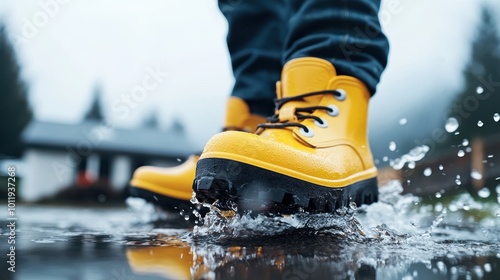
(274, 121)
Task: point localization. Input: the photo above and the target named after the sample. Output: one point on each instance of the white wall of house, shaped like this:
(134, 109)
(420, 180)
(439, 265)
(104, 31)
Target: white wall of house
(46, 172)
(93, 163)
(120, 171)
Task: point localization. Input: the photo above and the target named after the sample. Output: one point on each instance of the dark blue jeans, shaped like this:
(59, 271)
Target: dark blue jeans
(264, 34)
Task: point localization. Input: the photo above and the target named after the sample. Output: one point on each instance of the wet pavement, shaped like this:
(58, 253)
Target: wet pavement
(398, 238)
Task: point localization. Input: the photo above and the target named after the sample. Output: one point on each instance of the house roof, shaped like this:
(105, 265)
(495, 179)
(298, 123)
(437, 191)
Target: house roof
(102, 139)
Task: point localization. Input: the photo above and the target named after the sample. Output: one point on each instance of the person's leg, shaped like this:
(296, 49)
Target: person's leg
(345, 32)
(313, 154)
(255, 40)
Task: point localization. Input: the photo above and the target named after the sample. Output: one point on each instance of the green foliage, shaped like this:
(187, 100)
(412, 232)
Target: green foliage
(480, 99)
(15, 112)
(95, 111)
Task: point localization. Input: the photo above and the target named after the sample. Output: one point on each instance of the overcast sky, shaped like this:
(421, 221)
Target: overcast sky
(67, 48)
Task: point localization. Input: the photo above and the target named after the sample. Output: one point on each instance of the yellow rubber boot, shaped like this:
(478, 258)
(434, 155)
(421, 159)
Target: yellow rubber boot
(312, 155)
(171, 187)
(168, 262)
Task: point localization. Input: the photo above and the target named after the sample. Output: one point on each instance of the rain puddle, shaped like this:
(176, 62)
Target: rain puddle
(400, 237)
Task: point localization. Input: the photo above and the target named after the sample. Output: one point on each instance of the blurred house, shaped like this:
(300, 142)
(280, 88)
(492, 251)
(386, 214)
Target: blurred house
(59, 156)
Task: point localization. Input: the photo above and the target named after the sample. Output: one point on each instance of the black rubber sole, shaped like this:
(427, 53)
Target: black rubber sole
(166, 203)
(226, 184)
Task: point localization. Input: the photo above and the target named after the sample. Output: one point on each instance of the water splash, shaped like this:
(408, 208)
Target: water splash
(394, 230)
(393, 218)
(220, 227)
(416, 154)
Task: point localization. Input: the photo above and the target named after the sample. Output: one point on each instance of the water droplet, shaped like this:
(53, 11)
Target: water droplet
(496, 117)
(451, 125)
(484, 193)
(479, 90)
(392, 146)
(458, 181)
(353, 205)
(465, 142)
(461, 153)
(438, 195)
(487, 267)
(466, 207)
(476, 175)
(441, 167)
(186, 217)
(480, 123)
(468, 149)
(411, 164)
(441, 266)
(478, 271)
(452, 207)
(498, 189)
(403, 121)
(385, 158)
(490, 156)
(179, 160)
(427, 172)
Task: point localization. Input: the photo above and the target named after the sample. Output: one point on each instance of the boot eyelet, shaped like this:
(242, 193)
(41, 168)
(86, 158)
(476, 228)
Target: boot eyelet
(322, 124)
(342, 94)
(334, 111)
(309, 133)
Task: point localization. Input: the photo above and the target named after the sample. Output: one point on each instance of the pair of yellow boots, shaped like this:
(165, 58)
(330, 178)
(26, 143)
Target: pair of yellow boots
(312, 155)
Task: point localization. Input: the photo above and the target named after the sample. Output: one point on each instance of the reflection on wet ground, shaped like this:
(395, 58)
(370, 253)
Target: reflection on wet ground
(397, 238)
